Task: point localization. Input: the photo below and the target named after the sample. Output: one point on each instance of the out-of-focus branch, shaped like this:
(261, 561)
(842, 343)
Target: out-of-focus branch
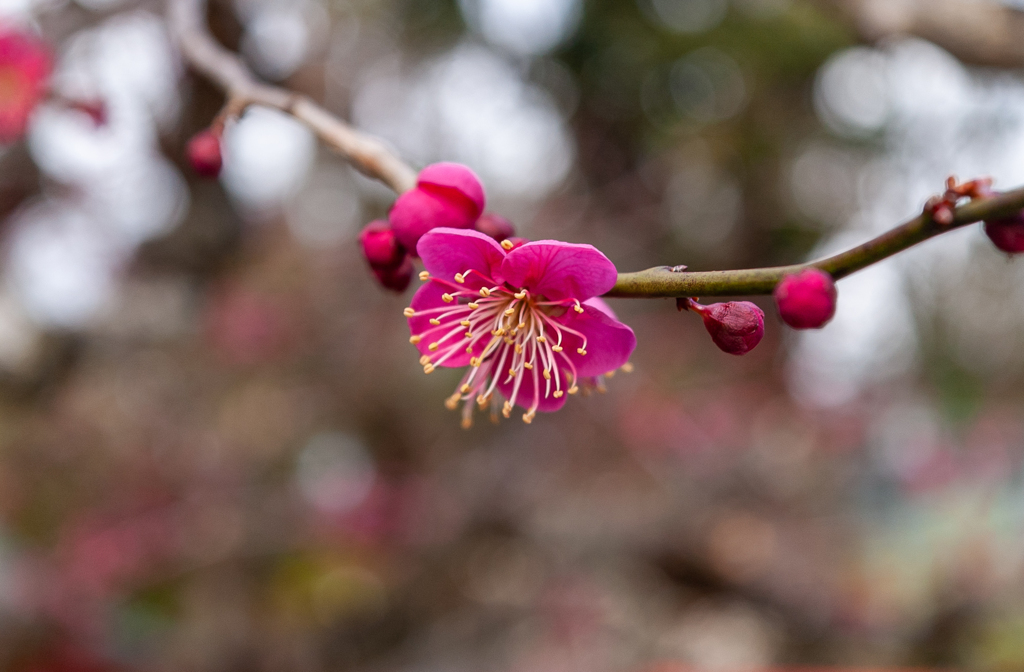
(663, 281)
(978, 32)
(368, 154)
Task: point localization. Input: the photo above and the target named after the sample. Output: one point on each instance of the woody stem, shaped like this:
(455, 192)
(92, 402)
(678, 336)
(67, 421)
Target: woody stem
(663, 281)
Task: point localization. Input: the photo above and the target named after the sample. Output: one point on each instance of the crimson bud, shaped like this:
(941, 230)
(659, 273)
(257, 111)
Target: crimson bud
(806, 300)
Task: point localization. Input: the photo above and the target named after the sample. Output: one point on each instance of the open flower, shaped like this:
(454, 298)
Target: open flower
(24, 69)
(524, 319)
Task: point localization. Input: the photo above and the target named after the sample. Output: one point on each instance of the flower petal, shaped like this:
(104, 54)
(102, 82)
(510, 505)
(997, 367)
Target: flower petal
(446, 252)
(609, 342)
(456, 177)
(421, 210)
(427, 298)
(525, 398)
(559, 270)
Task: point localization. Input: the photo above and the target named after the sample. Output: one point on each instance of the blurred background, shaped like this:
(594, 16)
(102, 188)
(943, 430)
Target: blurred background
(217, 450)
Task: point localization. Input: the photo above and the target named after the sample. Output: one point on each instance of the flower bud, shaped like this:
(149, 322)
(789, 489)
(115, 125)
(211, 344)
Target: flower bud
(495, 226)
(735, 327)
(396, 278)
(806, 300)
(204, 154)
(1008, 233)
(380, 247)
(446, 194)
(25, 66)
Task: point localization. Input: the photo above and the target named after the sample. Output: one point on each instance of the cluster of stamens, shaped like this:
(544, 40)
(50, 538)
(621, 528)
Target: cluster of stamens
(510, 333)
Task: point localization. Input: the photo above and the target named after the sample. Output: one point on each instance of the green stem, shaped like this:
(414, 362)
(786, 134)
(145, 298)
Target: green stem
(664, 282)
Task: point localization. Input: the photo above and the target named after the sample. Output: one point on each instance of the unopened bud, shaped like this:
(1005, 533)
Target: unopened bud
(735, 327)
(204, 154)
(1008, 233)
(446, 195)
(806, 300)
(396, 278)
(380, 247)
(495, 226)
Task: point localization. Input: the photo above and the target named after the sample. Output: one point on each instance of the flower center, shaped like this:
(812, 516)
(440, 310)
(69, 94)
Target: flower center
(514, 338)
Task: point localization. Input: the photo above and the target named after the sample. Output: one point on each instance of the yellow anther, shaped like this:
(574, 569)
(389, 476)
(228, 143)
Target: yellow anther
(581, 351)
(556, 348)
(627, 368)
(520, 326)
(415, 339)
(573, 389)
(467, 422)
(610, 374)
(473, 305)
(519, 349)
(466, 323)
(447, 298)
(474, 361)
(452, 402)
(520, 295)
(528, 366)
(424, 275)
(508, 341)
(484, 292)
(511, 372)
(408, 312)
(428, 369)
(507, 244)
(558, 394)
(469, 350)
(528, 417)
(465, 389)
(507, 410)
(547, 374)
(433, 347)
(436, 322)
(424, 360)
(541, 339)
(578, 309)
(468, 334)
(460, 278)
(510, 312)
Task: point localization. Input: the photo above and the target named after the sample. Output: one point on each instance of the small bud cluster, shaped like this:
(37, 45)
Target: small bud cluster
(446, 195)
(940, 208)
(204, 153)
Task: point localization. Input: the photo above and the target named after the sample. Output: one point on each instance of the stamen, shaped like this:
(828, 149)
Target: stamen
(528, 418)
(465, 389)
(424, 360)
(541, 339)
(547, 374)
(424, 275)
(408, 312)
(447, 298)
(473, 305)
(581, 351)
(627, 368)
(474, 361)
(484, 292)
(467, 422)
(433, 347)
(507, 410)
(466, 323)
(519, 349)
(610, 374)
(510, 312)
(428, 369)
(415, 339)
(558, 394)
(578, 308)
(520, 295)
(573, 389)
(460, 278)
(507, 245)
(528, 366)
(436, 322)
(452, 402)
(556, 348)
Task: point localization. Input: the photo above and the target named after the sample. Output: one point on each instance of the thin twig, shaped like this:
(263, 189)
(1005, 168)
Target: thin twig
(368, 154)
(663, 281)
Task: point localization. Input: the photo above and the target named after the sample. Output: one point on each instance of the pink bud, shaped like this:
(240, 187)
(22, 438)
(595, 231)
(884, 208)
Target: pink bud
(447, 194)
(395, 278)
(806, 300)
(495, 226)
(25, 66)
(735, 327)
(204, 154)
(380, 247)
(1008, 233)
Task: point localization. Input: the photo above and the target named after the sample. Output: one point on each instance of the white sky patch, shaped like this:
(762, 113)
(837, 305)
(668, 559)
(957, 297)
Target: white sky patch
(472, 107)
(523, 27)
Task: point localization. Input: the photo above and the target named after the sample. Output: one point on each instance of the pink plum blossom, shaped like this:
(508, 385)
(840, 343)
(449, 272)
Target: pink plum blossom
(525, 320)
(446, 195)
(806, 300)
(24, 69)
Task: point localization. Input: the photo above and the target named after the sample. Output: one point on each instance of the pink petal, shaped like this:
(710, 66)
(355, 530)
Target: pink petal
(446, 252)
(525, 396)
(419, 210)
(601, 305)
(429, 296)
(609, 342)
(559, 270)
(457, 177)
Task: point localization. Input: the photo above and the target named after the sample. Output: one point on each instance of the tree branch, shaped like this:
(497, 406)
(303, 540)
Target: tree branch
(664, 282)
(368, 154)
